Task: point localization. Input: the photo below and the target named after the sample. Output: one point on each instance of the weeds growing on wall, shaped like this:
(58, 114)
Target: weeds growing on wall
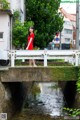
(71, 111)
(4, 5)
(78, 82)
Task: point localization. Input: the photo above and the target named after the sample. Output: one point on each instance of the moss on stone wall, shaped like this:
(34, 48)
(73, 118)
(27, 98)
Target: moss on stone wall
(65, 73)
(42, 74)
(2, 94)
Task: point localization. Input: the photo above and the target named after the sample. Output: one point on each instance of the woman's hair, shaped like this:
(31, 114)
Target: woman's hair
(30, 28)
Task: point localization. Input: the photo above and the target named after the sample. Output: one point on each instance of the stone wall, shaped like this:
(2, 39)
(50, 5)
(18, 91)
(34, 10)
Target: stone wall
(40, 74)
(77, 101)
(5, 100)
(2, 95)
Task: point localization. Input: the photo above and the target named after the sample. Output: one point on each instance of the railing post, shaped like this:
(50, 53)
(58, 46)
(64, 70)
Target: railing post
(73, 60)
(12, 59)
(45, 58)
(76, 59)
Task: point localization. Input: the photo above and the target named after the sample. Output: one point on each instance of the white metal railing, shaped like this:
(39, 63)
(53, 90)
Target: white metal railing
(71, 56)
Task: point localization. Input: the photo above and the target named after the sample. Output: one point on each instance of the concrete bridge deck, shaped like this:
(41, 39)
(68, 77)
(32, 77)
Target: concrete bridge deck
(39, 74)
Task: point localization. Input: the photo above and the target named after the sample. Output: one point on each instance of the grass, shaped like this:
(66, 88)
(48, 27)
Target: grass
(41, 63)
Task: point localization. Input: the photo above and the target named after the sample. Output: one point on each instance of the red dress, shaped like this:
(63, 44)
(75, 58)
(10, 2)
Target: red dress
(31, 44)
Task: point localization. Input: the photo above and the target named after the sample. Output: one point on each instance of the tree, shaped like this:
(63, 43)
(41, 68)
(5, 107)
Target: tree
(47, 20)
(20, 30)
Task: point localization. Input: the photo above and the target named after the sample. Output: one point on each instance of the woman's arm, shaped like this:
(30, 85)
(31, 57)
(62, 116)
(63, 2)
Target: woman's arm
(29, 43)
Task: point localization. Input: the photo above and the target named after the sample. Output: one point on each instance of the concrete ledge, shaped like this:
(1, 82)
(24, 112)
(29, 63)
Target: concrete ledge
(40, 74)
(3, 68)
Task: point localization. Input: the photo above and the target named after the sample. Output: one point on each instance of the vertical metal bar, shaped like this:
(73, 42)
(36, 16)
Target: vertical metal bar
(79, 57)
(77, 24)
(72, 60)
(60, 41)
(45, 58)
(76, 60)
(11, 35)
(12, 60)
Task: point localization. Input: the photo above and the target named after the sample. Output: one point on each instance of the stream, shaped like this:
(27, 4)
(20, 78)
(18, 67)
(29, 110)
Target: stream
(45, 105)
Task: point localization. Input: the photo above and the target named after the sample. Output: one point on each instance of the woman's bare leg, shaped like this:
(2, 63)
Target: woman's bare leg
(30, 62)
(34, 64)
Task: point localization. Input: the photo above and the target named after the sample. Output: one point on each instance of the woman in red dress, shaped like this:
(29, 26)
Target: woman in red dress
(30, 46)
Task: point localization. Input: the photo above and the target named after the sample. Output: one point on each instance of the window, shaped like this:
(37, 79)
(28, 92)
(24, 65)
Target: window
(68, 31)
(1, 5)
(79, 42)
(67, 23)
(67, 40)
(1, 35)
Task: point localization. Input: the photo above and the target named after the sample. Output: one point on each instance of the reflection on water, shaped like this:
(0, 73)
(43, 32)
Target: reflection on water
(52, 98)
(44, 104)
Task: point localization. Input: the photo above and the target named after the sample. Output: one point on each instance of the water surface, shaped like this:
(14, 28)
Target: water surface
(45, 105)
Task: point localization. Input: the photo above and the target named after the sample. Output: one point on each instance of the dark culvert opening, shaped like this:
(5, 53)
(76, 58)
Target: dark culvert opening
(70, 93)
(18, 95)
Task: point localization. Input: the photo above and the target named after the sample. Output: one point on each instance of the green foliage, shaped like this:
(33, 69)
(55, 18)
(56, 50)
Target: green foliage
(5, 4)
(47, 20)
(16, 16)
(35, 90)
(20, 31)
(54, 86)
(72, 112)
(66, 73)
(78, 82)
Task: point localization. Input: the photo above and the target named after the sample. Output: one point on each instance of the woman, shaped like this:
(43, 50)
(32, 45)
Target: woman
(30, 46)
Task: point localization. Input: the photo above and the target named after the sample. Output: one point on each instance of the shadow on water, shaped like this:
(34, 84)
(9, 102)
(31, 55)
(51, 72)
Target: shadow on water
(18, 93)
(69, 93)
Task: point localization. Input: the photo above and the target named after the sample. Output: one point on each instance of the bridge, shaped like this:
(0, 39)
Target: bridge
(14, 73)
(12, 77)
(71, 56)
(16, 80)
(39, 74)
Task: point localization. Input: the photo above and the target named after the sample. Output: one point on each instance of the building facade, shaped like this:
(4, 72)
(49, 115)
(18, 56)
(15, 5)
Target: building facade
(4, 31)
(6, 14)
(18, 5)
(68, 34)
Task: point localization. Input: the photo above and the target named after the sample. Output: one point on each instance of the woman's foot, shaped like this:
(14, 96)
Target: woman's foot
(30, 65)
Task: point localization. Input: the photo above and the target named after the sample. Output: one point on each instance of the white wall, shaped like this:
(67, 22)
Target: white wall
(15, 4)
(68, 26)
(18, 5)
(22, 10)
(5, 28)
(5, 22)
